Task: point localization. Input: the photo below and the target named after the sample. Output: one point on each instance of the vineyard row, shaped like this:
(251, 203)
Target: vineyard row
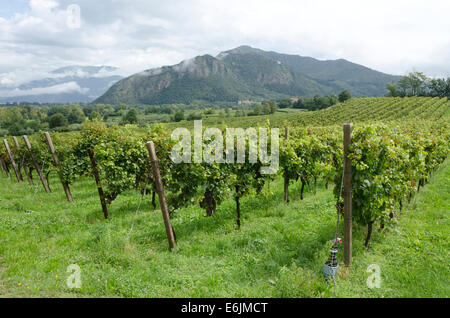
(389, 165)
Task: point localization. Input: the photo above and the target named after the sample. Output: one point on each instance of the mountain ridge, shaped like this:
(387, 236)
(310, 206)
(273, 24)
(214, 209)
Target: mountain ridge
(246, 73)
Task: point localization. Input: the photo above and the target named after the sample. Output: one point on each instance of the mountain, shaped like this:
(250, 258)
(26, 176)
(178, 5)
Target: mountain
(70, 84)
(246, 73)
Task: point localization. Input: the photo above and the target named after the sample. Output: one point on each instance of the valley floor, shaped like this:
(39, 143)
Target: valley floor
(279, 251)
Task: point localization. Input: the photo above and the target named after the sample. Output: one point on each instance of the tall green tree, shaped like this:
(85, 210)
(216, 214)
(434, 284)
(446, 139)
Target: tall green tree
(285, 103)
(439, 87)
(392, 89)
(76, 115)
(344, 95)
(131, 117)
(270, 107)
(57, 120)
(413, 84)
(179, 115)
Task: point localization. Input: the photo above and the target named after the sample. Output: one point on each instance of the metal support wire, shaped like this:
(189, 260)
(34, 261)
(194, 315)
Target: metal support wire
(139, 206)
(331, 266)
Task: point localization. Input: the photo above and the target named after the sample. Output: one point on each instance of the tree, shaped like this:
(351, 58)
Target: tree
(57, 120)
(439, 87)
(122, 106)
(285, 103)
(393, 89)
(194, 116)
(258, 110)
(417, 83)
(76, 115)
(58, 109)
(131, 117)
(273, 107)
(344, 95)
(270, 107)
(94, 115)
(179, 115)
(208, 111)
(333, 99)
(300, 104)
(16, 128)
(413, 84)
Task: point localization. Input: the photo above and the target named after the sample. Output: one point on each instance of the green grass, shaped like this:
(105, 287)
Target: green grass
(278, 252)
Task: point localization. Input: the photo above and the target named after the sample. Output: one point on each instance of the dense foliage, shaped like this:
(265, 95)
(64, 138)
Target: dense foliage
(389, 166)
(390, 162)
(418, 84)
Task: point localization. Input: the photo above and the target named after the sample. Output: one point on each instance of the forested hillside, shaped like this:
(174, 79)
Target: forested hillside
(246, 73)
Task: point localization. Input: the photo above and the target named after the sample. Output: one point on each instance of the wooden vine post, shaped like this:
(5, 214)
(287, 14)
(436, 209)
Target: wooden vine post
(65, 185)
(2, 165)
(16, 143)
(5, 167)
(160, 190)
(30, 180)
(347, 196)
(97, 181)
(286, 179)
(36, 164)
(13, 163)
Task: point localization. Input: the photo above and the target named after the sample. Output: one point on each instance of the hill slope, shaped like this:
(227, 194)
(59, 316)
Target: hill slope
(246, 73)
(357, 110)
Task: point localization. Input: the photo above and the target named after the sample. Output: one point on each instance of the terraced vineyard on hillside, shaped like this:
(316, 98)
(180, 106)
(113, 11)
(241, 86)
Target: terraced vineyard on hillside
(398, 144)
(356, 110)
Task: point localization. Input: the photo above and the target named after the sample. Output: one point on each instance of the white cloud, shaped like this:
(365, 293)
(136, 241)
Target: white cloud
(20, 76)
(70, 87)
(390, 36)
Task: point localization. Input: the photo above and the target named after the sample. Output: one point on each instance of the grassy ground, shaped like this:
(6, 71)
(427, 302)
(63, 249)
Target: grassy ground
(279, 251)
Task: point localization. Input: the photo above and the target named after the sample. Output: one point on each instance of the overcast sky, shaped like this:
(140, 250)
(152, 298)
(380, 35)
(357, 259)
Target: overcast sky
(392, 36)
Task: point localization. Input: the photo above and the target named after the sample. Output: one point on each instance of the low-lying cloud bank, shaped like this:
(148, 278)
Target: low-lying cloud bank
(70, 87)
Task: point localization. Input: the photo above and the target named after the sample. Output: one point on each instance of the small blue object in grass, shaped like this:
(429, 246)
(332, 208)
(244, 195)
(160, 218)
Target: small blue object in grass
(329, 271)
(331, 266)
